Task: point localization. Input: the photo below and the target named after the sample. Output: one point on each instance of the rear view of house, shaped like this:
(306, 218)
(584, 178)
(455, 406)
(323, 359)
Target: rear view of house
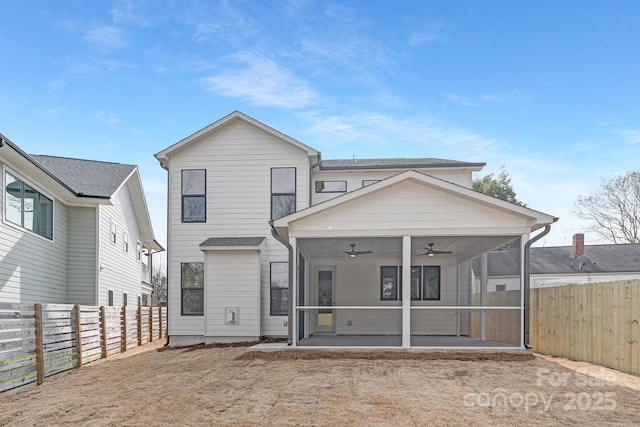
(73, 231)
(266, 238)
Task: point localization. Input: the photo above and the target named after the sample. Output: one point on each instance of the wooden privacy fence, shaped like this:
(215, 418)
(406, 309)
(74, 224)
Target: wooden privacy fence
(502, 326)
(595, 322)
(37, 341)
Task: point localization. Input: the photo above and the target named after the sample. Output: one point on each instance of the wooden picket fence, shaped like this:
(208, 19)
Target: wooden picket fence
(502, 326)
(41, 340)
(595, 322)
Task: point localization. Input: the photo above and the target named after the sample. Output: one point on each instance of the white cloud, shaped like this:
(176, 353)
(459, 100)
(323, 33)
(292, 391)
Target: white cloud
(105, 117)
(472, 101)
(105, 37)
(418, 39)
(631, 136)
(261, 81)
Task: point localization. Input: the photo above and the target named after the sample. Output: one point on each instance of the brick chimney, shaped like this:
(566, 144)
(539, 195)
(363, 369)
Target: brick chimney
(578, 244)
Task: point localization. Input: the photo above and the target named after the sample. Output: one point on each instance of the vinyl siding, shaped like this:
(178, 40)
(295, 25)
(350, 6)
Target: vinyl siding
(232, 280)
(354, 179)
(120, 271)
(411, 206)
(81, 248)
(238, 159)
(33, 269)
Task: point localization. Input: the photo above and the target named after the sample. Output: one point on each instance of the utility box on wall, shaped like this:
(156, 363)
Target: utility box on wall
(231, 315)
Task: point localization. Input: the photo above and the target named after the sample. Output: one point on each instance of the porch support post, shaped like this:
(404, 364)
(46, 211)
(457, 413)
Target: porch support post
(483, 298)
(406, 291)
(524, 297)
(293, 291)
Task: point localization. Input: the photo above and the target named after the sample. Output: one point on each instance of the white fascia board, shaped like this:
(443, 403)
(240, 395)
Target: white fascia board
(164, 155)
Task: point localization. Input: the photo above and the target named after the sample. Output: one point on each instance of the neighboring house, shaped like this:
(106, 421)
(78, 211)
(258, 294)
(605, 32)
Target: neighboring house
(72, 231)
(268, 239)
(563, 265)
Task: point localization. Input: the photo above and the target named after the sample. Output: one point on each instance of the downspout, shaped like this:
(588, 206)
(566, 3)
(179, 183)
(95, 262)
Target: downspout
(311, 168)
(166, 344)
(280, 239)
(527, 280)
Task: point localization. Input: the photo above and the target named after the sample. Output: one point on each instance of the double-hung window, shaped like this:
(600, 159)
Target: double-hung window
(331, 186)
(27, 207)
(192, 286)
(194, 198)
(283, 192)
(425, 283)
(279, 288)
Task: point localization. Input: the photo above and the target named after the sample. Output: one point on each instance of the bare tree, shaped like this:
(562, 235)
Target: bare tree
(614, 208)
(159, 279)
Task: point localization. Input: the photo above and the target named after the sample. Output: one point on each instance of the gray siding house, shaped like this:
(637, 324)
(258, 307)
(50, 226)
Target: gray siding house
(72, 231)
(266, 238)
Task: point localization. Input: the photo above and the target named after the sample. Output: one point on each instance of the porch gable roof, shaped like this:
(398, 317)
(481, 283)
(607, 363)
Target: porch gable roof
(534, 219)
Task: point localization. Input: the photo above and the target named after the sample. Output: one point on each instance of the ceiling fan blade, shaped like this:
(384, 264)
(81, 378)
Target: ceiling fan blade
(363, 252)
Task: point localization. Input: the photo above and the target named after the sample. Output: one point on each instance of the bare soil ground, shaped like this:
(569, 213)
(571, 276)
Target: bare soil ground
(210, 385)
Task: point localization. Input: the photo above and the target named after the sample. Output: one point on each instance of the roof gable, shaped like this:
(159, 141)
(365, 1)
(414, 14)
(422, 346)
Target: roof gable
(164, 155)
(413, 199)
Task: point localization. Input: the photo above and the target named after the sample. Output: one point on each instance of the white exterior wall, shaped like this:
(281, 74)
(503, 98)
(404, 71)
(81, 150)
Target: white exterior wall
(236, 284)
(119, 271)
(33, 269)
(238, 159)
(81, 248)
(354, 179)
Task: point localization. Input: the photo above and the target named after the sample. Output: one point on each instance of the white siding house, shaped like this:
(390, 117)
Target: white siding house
(266, 238)
(56, 244)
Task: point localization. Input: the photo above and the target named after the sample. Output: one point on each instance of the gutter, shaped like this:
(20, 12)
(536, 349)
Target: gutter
(280, 239)
(527, 280)
(311, 168)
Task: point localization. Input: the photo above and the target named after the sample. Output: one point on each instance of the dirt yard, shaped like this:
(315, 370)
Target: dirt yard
(230, 386)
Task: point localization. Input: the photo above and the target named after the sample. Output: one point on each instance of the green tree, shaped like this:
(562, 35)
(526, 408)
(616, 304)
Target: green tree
(499, 187)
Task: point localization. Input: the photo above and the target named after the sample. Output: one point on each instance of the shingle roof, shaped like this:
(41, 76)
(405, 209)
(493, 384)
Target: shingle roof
(622, 258)
(232, 241)
(394, 163)
(88, 178)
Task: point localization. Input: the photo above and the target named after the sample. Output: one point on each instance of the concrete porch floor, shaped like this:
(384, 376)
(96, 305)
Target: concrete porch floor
(432, 341)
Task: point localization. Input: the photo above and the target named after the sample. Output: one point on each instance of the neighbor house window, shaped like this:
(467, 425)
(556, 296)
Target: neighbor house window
(366, 182)
(138, 250)
(194, 199)
(389, 283)
(124, 299)
(431, 282)
(110, 298)
(500, 288)
(331, 186)
(279, 288)
(192, 285)
(125, 241)
(27, 207)
(139, 301)
(114, 230)
(283, 192)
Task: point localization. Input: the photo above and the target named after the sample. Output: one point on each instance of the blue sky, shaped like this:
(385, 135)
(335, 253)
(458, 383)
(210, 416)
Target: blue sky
(549, 89)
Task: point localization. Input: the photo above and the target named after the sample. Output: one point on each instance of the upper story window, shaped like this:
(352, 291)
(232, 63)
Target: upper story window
(138, 250)
(366, 182)
(27, 207)
(114, 232)
(283, 192)
(125, 241)
(331, 186)
(194, 199)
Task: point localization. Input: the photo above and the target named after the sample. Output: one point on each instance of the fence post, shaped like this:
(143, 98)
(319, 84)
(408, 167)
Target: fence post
(123, 319)
(103, 331)
(39, 349)
(139, 325)
(150, 324)
(78, 331)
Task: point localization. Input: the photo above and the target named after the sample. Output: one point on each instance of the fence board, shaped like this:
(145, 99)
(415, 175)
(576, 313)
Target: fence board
(596, 323)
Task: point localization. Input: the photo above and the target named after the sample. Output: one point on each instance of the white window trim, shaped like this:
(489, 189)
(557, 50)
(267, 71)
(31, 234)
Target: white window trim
(18, 227)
